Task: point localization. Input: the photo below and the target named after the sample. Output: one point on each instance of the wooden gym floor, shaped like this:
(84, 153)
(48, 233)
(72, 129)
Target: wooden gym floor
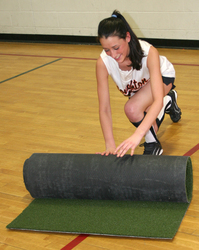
(48, 103)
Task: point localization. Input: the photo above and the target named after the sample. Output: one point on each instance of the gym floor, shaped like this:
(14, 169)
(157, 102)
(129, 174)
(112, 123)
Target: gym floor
(49, 103)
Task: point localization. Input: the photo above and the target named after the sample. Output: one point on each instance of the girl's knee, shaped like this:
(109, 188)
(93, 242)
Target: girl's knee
(134, 111)
(130, 111)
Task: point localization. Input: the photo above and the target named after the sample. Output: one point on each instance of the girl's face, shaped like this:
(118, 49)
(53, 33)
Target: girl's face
(117, 48)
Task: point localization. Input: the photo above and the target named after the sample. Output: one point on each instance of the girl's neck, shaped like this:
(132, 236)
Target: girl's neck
(125, 65)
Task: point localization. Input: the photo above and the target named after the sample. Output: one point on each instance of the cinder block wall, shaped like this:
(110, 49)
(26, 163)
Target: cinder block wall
(169, 19)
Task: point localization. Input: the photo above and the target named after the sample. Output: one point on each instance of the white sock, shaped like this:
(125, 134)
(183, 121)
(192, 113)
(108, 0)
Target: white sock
(151, 136)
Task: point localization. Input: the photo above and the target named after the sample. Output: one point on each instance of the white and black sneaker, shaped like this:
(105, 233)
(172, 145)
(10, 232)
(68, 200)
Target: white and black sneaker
(174, 111)
(152, 148)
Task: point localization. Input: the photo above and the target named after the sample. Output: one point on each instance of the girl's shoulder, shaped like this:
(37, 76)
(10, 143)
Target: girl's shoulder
(103, 55)
(100, 63)
(145, 46)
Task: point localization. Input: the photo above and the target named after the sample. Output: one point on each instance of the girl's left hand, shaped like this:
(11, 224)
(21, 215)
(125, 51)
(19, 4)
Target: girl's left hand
(132, 142)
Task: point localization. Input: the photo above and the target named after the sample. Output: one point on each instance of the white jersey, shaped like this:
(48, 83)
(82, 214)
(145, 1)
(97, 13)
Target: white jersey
(129, 82)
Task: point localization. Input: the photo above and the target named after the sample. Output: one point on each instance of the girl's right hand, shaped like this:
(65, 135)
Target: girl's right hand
(109, 151)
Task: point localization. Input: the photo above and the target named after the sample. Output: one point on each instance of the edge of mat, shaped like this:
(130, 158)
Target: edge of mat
(94, 234)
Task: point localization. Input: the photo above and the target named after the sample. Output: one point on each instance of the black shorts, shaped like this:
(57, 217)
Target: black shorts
(168, 80)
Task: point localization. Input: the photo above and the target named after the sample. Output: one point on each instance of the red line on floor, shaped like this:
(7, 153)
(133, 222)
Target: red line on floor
(185, 64)
(66, 57)
(75, 242)
(82, 58)
(192, 151)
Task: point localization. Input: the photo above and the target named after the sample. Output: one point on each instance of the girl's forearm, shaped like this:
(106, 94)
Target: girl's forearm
(106, 125)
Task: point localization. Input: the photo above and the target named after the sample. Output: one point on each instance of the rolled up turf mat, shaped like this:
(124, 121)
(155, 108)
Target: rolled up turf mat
(87, 176)
(136, 196)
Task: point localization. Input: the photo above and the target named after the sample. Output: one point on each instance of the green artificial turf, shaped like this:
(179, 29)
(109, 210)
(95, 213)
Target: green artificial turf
(147, 219)
(103, 217)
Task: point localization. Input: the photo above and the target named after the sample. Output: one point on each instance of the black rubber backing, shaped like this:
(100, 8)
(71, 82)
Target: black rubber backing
(92, 176)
